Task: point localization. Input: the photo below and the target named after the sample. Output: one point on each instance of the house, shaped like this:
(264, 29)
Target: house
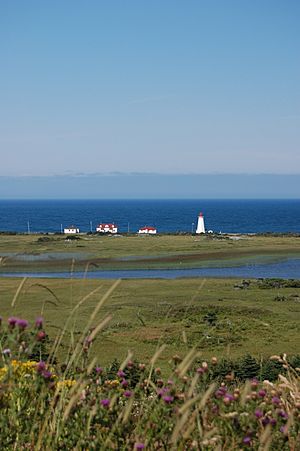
(71, 230)
(107, 228)
(148, 230)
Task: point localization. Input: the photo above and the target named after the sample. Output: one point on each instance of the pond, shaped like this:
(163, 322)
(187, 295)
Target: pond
(286, 269)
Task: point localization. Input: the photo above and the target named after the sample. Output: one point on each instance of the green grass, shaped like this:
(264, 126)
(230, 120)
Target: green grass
(162, 251)
(146, 313)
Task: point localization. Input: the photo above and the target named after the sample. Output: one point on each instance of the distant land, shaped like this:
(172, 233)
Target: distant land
(151, 186)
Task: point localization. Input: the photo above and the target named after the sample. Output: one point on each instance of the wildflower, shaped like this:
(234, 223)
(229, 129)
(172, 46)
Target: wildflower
(273, 422)
(41, 366)
(6, 352)
(124, 383)
(261, 393)
(130, 364)
(120, 373)
(200, 370)
(39, 322)
(105, 402)
(258, 413)
(157, 370)
(98, 370)
(22, 324)
(142, 366)
(170, 382)
(283, 414)
(139, 446)
(265, 421)
(247, 440)
(228, 398)
(284, 429)
(214, 360)
(12, 321)
(168, 399)
(275, 400)
(40, 336)
(47, 374)
(127, 394)
(254, 382)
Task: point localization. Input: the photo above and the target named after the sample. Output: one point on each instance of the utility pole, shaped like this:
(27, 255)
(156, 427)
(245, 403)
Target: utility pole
(91, 226)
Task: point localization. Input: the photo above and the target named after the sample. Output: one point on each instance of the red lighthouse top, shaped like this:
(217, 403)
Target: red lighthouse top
(200, 214)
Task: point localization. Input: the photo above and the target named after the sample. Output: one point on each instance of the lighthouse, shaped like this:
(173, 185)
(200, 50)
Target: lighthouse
(200, 225)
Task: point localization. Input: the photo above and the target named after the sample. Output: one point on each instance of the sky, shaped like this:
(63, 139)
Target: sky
(165, 87)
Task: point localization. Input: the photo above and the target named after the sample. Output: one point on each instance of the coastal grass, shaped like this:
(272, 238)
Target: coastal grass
(56, 253)
(217, 317)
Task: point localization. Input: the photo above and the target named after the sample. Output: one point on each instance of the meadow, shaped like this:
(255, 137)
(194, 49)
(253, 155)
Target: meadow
(219, 317)
(58, 253)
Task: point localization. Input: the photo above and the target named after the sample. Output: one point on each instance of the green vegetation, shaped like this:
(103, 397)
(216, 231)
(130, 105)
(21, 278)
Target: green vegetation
(217, 317)
(56, 253)
(196, 404)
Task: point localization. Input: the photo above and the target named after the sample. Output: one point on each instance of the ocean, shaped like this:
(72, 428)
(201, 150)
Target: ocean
(226, 216)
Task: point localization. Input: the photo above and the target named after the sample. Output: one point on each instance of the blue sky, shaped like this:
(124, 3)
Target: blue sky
(167, 87)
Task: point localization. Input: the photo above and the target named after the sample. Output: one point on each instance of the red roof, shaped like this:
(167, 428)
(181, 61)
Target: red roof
(102, 226)
(148, 228)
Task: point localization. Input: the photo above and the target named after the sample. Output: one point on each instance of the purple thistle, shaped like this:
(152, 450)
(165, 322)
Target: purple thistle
(258, 413)
(168, 399)
(127, 393)
(121, 373)
(22, 324)
(200, 370)
(261, 393)
(41, 366)
(105, 402)
(283, 414)
(284, 429)
(139, 446)
(98, 370)
(39, 322)
(124, 383)
(275, 400)
(273, 422)
(12, 321)
(247, 440)
(265, 421)
(46, 374)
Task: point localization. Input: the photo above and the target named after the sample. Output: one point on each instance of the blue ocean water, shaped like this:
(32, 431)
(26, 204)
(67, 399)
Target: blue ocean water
(236, 216)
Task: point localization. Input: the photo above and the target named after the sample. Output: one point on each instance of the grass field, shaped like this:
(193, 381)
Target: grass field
(215, 316)
(55, 253)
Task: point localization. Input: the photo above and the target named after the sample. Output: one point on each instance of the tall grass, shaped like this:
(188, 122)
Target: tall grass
(76, 404)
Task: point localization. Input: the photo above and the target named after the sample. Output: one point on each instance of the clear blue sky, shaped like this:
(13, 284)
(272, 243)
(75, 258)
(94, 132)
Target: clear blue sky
(149, 86)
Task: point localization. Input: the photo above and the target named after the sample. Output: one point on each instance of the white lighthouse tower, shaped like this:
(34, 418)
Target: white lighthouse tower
(200, 225)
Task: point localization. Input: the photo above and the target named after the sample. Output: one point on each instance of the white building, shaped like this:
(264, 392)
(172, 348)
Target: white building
(148, 230)
(107, 228)
(200, 225)
(71, 230)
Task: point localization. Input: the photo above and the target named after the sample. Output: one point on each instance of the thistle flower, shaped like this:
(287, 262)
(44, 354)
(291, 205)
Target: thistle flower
(41, 366)
(261, 393)
(98, 370)
(41, 335)
(258, 413)
(22, 324)
(127, 394)
(39, 322)
(12, 321)
(139, 446)
(247, 440)
(120, 373)
(105, 402)
(168, 399)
